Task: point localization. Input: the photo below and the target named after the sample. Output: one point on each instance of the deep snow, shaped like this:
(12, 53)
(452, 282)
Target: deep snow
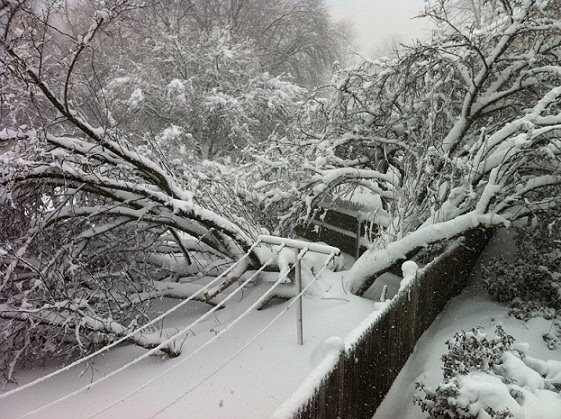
(272, 373)
(252, 385)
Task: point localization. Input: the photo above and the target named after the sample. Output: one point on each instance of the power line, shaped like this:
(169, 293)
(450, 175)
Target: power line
(161, 345)
(273, 321)
(131, 334)
(260, 300)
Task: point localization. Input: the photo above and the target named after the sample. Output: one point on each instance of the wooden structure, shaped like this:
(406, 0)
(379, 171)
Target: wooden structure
(341, 224)
(364, 373)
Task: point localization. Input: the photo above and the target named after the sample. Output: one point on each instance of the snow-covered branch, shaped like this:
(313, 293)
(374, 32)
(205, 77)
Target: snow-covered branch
(74, 319)
(375, 262)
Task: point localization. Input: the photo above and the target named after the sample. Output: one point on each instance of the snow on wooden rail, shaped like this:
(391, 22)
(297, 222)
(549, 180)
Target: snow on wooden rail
(300, 244)
(304, 247)
(345, 228)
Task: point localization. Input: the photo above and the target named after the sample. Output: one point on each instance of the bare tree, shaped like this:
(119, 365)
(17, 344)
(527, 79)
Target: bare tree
(290, 36)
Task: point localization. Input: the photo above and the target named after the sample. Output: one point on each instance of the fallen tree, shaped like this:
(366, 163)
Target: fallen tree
(453, 134)
(456, 133)
(97, 220)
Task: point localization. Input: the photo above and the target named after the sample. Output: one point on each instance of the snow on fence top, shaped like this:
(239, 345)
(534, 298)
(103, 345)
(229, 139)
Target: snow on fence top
(352, 381)
(300, 244)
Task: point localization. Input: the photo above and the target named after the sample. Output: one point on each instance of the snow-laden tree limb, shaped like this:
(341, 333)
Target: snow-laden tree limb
(105, 200)
(375, 262)
(74, 319)
(464, 126)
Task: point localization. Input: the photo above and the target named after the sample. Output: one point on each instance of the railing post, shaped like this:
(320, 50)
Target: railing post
(384, 293)
(358, 232)
(299, 320)
(306, 247)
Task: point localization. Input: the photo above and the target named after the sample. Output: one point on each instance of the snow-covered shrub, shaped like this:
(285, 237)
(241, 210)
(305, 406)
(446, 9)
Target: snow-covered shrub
(467, 352)
(535, 274)
(486, 377)
(523, 280)
(531, 283)
(474, 350)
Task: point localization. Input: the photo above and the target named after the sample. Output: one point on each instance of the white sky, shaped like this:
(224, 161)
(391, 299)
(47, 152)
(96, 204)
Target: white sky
(376, 23)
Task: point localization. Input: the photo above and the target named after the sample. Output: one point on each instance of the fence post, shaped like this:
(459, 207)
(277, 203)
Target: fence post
(384, 293)
(358, 231)
(299, 320)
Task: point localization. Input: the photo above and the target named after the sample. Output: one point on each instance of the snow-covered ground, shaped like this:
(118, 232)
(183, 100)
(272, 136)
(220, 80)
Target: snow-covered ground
(472, 308)
(236, 378)
(216, 383)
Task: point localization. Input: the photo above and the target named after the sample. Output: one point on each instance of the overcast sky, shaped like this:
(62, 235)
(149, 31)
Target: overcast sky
(377, 22)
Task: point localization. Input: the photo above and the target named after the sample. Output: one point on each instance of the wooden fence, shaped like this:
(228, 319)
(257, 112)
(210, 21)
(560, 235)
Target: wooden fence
(364, 373)
(342, 225)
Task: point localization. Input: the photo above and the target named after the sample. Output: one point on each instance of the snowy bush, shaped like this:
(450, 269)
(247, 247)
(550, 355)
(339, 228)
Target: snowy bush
(531, 283)
(535, 273)
(473, 350)
(467, 352)
(485, 377)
